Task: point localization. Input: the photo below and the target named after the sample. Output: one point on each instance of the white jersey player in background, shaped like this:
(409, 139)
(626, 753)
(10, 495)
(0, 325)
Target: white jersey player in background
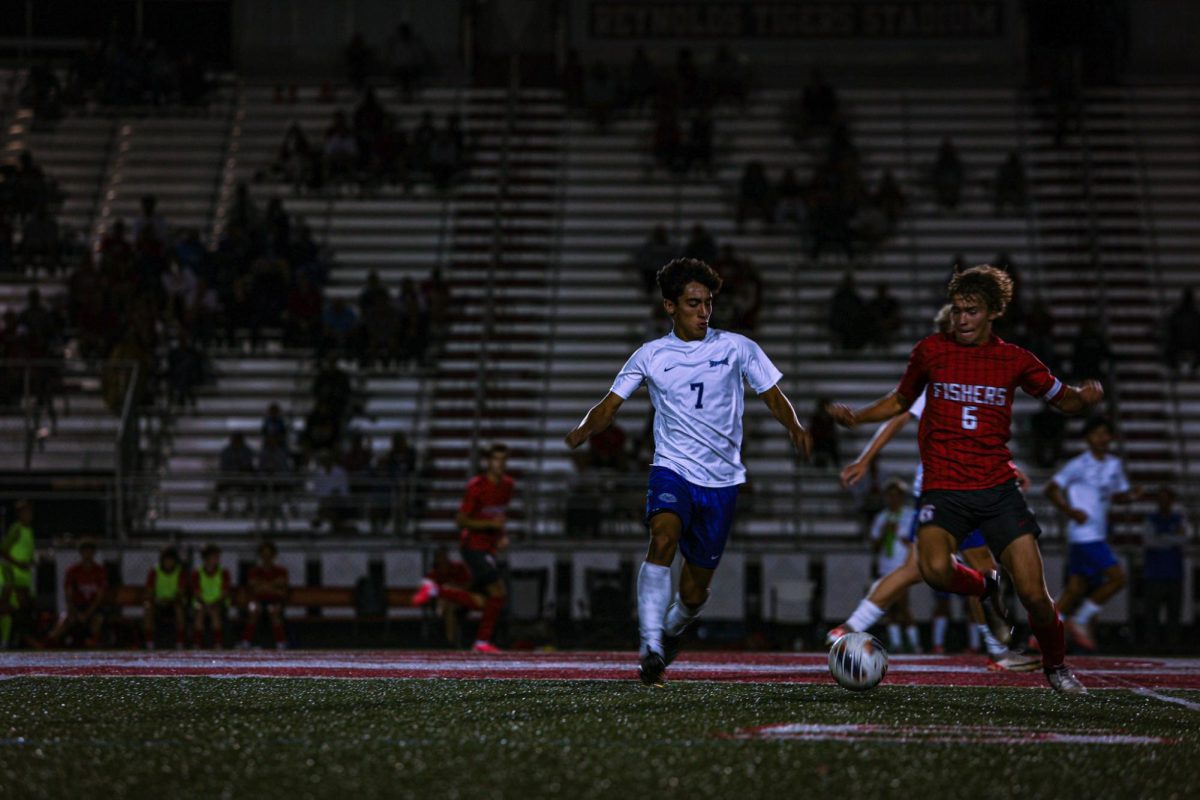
(696, 376)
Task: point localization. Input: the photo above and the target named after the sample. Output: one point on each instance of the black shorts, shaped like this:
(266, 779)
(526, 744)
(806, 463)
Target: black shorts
(1000, 513)
(482, 564)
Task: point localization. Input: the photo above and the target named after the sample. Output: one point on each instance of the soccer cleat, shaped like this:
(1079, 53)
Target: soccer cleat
(485, 647)
(1032, 644)
(1014, 661)
(427, 592)
(835, 634)
(995, 609)
(1080, 635)
(651, 669)
(1063, 680)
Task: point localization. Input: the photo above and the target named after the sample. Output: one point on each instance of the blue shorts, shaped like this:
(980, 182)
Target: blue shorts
(1089, 560)
(705, 513)
(974, 538)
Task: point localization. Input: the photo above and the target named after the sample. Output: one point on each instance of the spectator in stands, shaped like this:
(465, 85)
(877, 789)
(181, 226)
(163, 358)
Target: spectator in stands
(824, 436)
(1090, 353)
(322, 431)
(241, 315)
(755, 197)
(185, 371)
(650, 257)
(408, 59)
(274, 424)
(166, 593)
(1183, 333)
(203, 312)
(212, 592)
(947, 176)
(741, 292)
(151, 220)
(1166, 533)
(846, 316)
(295, 162)
(276, 472)
(394, 473)
(883, 312)
(358, 61)
(266, 591)
(178, 288)
(340, 151)
(701, 245)
(40, 244)
(331, 488)
(818, 107)
(358, 463)
(85, 588)
(236, 475)
(331, 385)
(1011, 190)
(435, 301)
(339, 323)
(889, 198)
(302, 319)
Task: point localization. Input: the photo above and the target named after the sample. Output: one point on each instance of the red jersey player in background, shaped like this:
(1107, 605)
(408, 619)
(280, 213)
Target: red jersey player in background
(481, 518)
(968, 377)
(267, 590)
(86, 587)
(449, 582)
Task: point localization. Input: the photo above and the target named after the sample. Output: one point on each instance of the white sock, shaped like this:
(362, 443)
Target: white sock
(914, 637)
(654, 592)
(679, 616)
(973, 636)
(866, 615)
(994, 647)
(430, 587)
(1087, 610)
(894, 640)
(939, 631)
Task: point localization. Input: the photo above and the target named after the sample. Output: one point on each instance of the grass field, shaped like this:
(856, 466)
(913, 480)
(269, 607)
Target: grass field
(116, 737)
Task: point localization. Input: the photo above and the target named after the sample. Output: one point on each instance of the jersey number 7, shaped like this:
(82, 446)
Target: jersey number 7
(699, 389)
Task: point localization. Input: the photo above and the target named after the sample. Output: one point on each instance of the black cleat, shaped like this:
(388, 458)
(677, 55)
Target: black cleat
(995, 609)
(651, 669)
(670, 649)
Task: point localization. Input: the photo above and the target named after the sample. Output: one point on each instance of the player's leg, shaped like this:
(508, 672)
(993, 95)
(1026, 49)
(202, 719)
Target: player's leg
(248, 630)
(1073, 592)
(668, 514)
(95, 626)
(941, 622)
(66, 620)
(977, 555)
(198, 627)
(880, 597)
(275, 614)
(215, 613)
(497, 596)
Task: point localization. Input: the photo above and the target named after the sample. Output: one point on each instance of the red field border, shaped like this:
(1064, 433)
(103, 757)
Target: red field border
(1096, 672)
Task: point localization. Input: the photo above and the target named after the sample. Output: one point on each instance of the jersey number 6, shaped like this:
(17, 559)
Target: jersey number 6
(969, 421)
(699, 389)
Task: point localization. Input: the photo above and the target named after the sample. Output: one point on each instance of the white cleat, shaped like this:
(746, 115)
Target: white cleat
(1063, 680)
(1013, 661)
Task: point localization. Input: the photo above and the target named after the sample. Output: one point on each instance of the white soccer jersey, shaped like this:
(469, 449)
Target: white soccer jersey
(916, 409)
(698, 396)
(1090, 483)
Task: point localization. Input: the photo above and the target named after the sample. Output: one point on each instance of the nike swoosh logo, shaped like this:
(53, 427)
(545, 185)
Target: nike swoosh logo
(668, 369)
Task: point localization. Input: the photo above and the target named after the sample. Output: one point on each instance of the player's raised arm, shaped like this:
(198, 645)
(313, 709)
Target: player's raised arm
(782, 409)
(885, 408)
(1076, 400)
(598, 418)
(854, 471)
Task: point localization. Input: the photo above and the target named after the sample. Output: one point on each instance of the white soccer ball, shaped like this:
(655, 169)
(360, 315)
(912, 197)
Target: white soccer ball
(858, 661)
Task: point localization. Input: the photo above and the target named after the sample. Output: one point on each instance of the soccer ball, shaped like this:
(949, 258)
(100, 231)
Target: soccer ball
(858, 661)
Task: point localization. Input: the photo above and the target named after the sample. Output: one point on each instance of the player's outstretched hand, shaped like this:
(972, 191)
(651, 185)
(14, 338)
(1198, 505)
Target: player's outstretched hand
(1091, 393)
(575, 438)
(1022, 480)
(1078, 515)
(842, 414)
(853, 473)
(802, 441)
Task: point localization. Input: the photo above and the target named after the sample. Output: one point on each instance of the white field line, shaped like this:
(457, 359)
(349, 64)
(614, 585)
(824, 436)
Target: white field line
(1166, 698)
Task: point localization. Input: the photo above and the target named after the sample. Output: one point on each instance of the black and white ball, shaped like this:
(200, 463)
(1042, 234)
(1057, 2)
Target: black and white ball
(858, 661)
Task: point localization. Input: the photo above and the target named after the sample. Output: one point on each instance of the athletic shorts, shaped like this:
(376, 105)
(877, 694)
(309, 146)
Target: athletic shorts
(1089, 560)
(1000, 513)
(974, 539)
(706, 514)
(482, 565)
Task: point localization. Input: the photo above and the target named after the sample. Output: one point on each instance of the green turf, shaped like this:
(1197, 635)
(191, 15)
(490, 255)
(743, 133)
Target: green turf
(111, 738)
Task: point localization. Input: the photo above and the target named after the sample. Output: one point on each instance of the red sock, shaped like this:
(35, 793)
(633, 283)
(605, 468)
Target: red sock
(277, 629)
(966, 581)
(491, 611)
(1052, 641)
(248, 631)
(459, 597)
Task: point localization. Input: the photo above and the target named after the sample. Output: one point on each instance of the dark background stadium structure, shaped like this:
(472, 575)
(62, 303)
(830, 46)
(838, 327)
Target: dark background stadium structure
(283, 270)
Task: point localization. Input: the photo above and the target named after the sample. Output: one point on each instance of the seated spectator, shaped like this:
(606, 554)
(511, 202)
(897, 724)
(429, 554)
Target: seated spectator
(178, 286)
(1166, 533)
(276, 471)
(151, 220)
(393, 473)
(883, 314)
(331, 488)
(236, 467)
(754, 195)
(338, 325)
(947, 176)
(266, 592)
(1011, 189)
(1183, 333)
(302, 319)
(85, 588)
(274, 424)
(212, 592)
(40, 243)
(651, 256)
(701, 245)
(185, 371)
(1090, 353)
(818, 106)
(295, 161)
(166, 593)
(846, 316)
(824, 436)
(408, 59)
